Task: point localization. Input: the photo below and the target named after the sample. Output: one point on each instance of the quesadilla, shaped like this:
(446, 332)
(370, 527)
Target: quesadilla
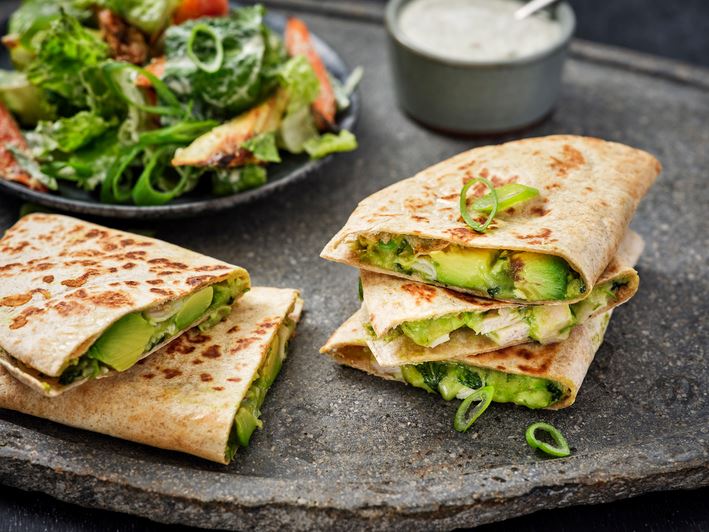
(201, 394)
(79, 301)
(531, 375)
(549, 249)
(410, 322)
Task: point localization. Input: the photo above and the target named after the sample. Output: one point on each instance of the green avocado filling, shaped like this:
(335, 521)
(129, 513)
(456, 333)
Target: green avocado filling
(247, 418)
(453, 379)
(491, 273)
(128, 339)
(540, 323)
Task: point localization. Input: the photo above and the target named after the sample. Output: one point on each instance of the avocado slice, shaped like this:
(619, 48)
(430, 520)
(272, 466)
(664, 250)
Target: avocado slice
(467, 268)
(539, 277)
(550, 323)
(122, 344)
(194, 308)
(426, 332)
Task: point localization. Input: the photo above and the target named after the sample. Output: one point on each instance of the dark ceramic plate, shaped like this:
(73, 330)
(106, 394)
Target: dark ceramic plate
(292, 169)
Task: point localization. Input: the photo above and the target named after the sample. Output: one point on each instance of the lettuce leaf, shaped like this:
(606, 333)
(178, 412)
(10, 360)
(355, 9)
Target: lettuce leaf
(229, 181)
(67, 63)
(149, 16)
(319, 147)
(69, 134)
(239, 82)
(263, 147)
(302, 86)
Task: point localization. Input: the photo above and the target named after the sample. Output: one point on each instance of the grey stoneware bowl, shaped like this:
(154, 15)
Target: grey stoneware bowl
(476, 97)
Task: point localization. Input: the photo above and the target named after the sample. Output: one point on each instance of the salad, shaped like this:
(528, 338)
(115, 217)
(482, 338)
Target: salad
(142, 101)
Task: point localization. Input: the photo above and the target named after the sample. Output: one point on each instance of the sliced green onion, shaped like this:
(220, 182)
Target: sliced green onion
(562, 447)
(507, 196)
(216, 63)
(112, 188)
(144, 193)
(180, 133)
(465, 213)
(463, 421)
(173, 107)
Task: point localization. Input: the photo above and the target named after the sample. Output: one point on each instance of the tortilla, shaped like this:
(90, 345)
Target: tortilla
(564, 362)
(185, 396)
(589, 191)
(64, 281)
(390, 301)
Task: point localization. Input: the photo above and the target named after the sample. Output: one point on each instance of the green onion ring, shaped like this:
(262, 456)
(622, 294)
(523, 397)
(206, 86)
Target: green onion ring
(111, 191)
(465, 213)
(463, 421)
(507, 196)
(562, 447)
(174, 107)
(144, 193)
(216, 63)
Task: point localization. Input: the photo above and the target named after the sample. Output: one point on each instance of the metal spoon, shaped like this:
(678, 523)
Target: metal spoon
(532, 7)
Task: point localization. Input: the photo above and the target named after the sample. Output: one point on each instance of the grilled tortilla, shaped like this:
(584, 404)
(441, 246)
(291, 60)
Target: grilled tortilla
(200, 394)
(549, 249)
(532, 375)
(413, 322)
(79, 301)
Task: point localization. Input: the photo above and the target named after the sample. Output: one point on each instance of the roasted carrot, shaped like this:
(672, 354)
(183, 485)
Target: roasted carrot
(190, 9)
(10, 135)
(298, 42)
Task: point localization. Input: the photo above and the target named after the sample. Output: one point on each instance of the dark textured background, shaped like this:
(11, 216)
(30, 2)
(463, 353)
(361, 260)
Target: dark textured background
(674, 29)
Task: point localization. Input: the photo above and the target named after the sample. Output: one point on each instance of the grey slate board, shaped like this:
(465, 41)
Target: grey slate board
(344, 450)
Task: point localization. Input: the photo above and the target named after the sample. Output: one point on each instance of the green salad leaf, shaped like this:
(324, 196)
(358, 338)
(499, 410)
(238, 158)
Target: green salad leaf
(318, 147)
(24, 100)
(69, 134)
(229, 181)
(239, 82)
(263, 147)
(67, 63)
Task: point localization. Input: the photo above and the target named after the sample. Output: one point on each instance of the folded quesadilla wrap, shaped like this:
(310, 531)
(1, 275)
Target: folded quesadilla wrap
(551, 248)
(410, 322)
(531, 375)
(79, 301)
(201, 394)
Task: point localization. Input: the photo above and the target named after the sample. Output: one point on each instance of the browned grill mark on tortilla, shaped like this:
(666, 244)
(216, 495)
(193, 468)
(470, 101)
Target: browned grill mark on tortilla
(217, 388)
(16, 300)
(543, 234)
(148, 375)
(213, 351)
(197, 361)
(418, 218)
(570, 159)
(20, 320)
(205, 377)
(128, 265)
(421, 292)
(131, 283)
(198, 279)
(48, 278)
(211, 268)
(234, 379)
(162, 291)
(168, 263)
(553, 186)
(155, 281)
(81, 280)
(127, 242)
(267, 323)
(416, 204)
(180, 345)
(10, 266)
(111, 298)
(537, 210)
(234, 329)
(464, 233)
(588, 189)
(242, 343)
(168, 272)
(66, 308)
(13, 250)
(171, 373)
(198, 338)
(96, 233)
(42, 266)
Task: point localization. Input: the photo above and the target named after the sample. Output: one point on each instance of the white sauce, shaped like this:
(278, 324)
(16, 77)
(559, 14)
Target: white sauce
(476, 30)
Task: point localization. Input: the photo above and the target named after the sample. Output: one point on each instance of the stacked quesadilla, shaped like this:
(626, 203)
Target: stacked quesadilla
(181, 331)
(520, 307)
